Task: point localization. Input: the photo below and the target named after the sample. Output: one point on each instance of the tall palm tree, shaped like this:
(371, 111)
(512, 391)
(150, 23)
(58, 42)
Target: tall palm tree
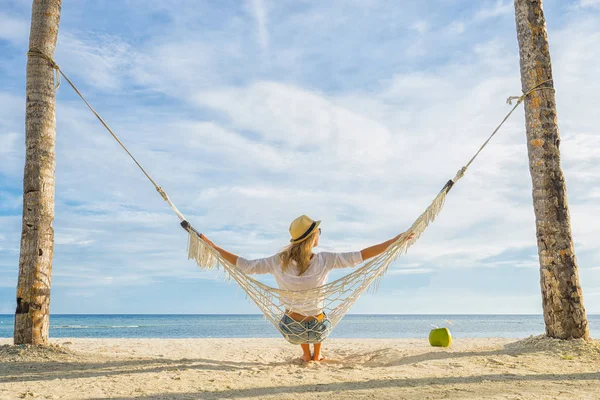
(32, 317)
(562, 299)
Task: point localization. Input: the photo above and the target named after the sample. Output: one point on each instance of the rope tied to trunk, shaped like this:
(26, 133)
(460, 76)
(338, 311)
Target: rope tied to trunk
(525, 94)
(36, 52)
(58, 71)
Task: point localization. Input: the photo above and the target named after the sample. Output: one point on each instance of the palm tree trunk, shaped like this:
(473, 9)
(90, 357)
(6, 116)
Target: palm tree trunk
(32, 318)
(562, 299)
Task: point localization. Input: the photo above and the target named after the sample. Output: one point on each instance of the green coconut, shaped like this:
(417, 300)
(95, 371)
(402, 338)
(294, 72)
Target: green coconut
(440, 337)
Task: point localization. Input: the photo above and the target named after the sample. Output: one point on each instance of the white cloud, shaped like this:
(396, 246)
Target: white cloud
(259, 11)
(99, 280)
(500, 8)
(101, 60)
(410, 271)
(181, 67)
(303, 121)
(74, 237)
(8, 143)
(13, 29)
(10, 201)
(420, 26)
(11, 150)
(448, 301)
(589, 3)
(456, 27)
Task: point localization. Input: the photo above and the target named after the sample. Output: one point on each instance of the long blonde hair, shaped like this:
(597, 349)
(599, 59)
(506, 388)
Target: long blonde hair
(299, 252)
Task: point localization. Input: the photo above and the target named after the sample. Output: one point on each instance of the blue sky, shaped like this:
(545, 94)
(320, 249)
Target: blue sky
(252, 113)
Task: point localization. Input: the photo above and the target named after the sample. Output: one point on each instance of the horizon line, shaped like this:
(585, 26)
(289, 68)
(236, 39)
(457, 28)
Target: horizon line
(259, 314)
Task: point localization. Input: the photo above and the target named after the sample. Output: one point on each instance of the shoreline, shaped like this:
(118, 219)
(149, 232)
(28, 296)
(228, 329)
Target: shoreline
(177, 369)
(255, 326)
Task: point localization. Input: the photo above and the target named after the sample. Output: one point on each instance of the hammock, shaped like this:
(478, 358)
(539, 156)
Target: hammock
(334, 298)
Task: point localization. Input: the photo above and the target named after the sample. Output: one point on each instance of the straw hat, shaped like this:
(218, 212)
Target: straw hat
(301, 228)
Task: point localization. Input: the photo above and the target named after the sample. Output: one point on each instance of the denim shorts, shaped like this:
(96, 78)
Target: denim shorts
(297, 332)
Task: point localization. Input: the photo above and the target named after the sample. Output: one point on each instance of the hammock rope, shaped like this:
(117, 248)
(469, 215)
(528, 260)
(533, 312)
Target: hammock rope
(334, 298)
(58, 72)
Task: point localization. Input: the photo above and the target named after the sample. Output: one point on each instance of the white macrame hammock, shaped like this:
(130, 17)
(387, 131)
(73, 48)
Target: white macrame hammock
(335, 298)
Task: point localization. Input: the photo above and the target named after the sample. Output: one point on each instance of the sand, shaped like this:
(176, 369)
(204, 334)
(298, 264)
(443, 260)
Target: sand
(177, 369)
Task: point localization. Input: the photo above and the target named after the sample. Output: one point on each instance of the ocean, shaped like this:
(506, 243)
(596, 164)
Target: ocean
(255, 326)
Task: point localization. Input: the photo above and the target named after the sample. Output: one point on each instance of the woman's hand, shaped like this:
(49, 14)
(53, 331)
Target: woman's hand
(232, 258)
(381, 247)
(410, 236)
(207, 241)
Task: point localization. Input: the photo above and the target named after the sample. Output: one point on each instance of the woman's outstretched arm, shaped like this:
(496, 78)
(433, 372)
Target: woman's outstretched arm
(259, 266)
(232, 258)
(376, 250)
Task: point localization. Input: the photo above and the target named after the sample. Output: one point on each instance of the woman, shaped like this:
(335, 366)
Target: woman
(297, 268)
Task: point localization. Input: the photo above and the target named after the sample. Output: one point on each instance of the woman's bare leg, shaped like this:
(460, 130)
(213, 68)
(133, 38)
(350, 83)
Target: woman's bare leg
(317, 352)
(306, 350)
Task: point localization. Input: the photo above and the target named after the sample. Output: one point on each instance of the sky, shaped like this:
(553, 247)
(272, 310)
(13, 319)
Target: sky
(251, 113)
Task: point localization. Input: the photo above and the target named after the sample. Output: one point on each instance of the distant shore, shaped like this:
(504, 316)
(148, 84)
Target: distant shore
(179, 369)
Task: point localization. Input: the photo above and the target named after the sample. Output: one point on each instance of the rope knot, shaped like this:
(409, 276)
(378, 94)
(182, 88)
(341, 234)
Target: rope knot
(518, 98)
(162, 193)
(460, 173)
(527, 93)
(53, 64)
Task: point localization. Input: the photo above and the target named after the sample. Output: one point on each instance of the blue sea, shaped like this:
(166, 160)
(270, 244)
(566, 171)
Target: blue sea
(255, 326)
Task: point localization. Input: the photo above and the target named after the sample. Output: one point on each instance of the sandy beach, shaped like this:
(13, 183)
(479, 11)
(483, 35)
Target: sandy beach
(177, 369)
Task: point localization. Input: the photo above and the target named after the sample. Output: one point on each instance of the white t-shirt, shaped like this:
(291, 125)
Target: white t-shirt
(316, 275)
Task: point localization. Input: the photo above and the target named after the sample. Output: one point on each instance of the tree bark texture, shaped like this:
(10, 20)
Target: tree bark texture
(562, 298)
(32, 317)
